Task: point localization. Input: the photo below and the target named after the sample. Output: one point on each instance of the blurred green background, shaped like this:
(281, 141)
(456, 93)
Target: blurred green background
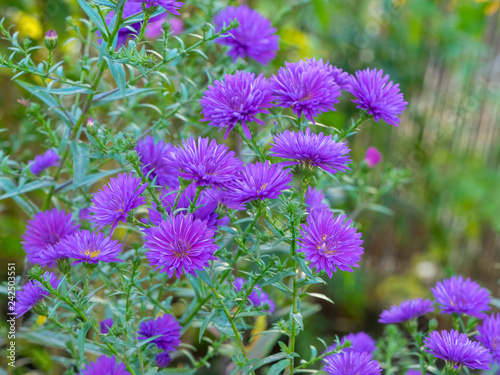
(445, 56)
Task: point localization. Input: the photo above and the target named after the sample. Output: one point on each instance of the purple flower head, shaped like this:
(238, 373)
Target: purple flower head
(105, 366)
(237, 99)
(372, 157)
(163, 359)
(208, 164)
(113, 203)
(257, 297)
(155, 27)
(378, 97)
(330, 243)
(351, 363)
(456, 295)
(171, 6)
(180, 245)
(307, 148)
(152, 157)
(166, 326)
(314, 200)
(489, 334)
(407, 310)
(340, 77)
(33, 292)
(415, 372)
(44, 161)
(306, 86)
(106, 325)
(360, 342)
(259, 181)
(49, 256)
(90, 247)
(457, 349)
(84, 214)
(254, 37)
(46, 228)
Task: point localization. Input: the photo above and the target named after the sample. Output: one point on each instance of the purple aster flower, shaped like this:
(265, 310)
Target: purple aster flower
(407, 310)
(360, 342)
(351, 363)
(372, 157)
(46, 228)
(84, 214)
(208, 164)
(155, 27)
(171, 6)
(49, 256)
(152, 160)
(314, 200)
(489, 334)
(106, 325)
(306, 86)
(180, 245)
(257, 297)
(237, 99)
(457, 349)
(90, 247)
(456, 295)
(330, 243)
(166, 326)
(34, 292)
(113, 203)
(340, 77)
(378, 97)
(254, 37)
(307, 148)
(415, 372)
(259, 181)
(163, 359)
(44, 161)
(105, 366)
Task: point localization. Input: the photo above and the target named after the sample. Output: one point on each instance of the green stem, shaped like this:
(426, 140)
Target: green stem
(361, 119)
(195, 200)
(293, 310)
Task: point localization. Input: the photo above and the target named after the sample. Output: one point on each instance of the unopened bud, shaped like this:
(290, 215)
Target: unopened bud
(234, 24)
(205, 28)
(51, 40)
(35, 272)
(41, 309)
(166, 27)
(433, 324)
(91, 128)
(132, 157)
(64, 266)
(149, 9)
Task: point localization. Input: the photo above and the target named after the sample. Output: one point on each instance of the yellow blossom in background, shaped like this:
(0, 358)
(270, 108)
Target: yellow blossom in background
(41, 320)
(298, 40)
(491, 7)
(28, 26)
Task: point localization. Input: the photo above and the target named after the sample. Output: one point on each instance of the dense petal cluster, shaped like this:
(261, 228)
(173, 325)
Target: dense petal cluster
(44, 161)
(407, 310)
(489, 334)
(180, 245)
(372, 157)
(307, 148)
(45, 230)
(34, 292)
(166, 326)
(113, 203)
(360, 342)
(237, 100)
(105, 366)
(258, 182)
(152, 157)
(340, 77)
(163, 359)
(457, 349)
(208, 164)
(49, 256)
(314, 200)
(456, 295)
(330, 242)
(254, 37)
(378, 97)
(90, 247)
(351, 363)
(257, 297)
(171, 6)
(307, 87)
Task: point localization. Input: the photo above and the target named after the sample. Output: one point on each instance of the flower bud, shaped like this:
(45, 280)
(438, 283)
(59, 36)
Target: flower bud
(234, 24)
(433, 324)
(149, 10)
(64, 266)
(41, 309)
(51, 40)
(132, 157)
(35, 272)
(166, 27)
(205, 28)
(91, 128)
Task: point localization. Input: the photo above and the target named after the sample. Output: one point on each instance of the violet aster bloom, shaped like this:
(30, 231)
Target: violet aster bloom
(258, 182)
(49, 256)
(106, 325)
(457, 349)
(237, 100)
(456, 295)
(153, 164)
(314, 200)
(163, 359)
(180, 245)
(330, 243)
(171, 6)
(360, 342)
(34, 292)
(130, 31)
(311, 149)
(84, 214)
(257, 297)
(307, 87)
(44, 161)
(105, 366)
(415, 372)
(489, 335)
(208, 164)
(90, 247)
(166, 326)
(113, 203)
(407, 310)
(155, 27)
(372, 157)
(46, 228)
(378, 97)
(254, 37)
(340, 77)
(351, 363)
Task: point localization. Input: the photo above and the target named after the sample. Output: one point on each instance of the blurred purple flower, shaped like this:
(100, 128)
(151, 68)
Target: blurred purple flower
(489, 335)
(84, 214)
(166, 326)
(105, 366)
(163, 359)
(44, 161)
(49, 256)
(155, 27)
(106, 325)
(171, 6)
(340, 77)
(351, 363)
(314, 200)
(33, 292)
(257, 297)
(90, 247)
(360, 342)
(372, 157)
(407, 310)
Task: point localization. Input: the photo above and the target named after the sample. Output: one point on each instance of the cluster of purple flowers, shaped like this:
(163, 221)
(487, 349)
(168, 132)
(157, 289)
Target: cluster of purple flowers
(34, 292)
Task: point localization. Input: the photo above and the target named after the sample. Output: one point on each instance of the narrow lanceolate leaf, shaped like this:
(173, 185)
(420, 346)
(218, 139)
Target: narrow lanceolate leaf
(278, 367)
(94, 16)
(82, 335)
(80, 162)
(118, 72)
(206, 322)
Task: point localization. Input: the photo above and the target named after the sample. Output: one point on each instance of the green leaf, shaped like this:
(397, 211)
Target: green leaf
(109, 97)
(81, 340)
(35, 185)
(91, 179)
(206, 322)
(94, 16)
(202, 274)
(80, 162)
(278, 277)
(303, 266)
(278, 367)
(320, 296)
(270, 359)
(118, 72)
